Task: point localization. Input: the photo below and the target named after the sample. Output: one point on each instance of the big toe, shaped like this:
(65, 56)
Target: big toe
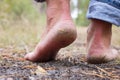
(28, 57)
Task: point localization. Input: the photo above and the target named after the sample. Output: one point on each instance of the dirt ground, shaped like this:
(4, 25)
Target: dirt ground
(70, 64)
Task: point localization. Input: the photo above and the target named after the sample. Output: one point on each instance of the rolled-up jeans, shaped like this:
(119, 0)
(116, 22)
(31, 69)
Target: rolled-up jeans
(40, 0)
(106, 10)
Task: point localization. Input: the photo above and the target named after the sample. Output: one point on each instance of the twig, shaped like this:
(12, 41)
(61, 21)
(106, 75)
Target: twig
(94, 74)
(108, 73)
(15, 58)
(30, 67)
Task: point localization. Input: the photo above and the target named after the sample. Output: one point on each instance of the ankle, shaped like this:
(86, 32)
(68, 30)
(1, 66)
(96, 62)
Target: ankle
(100, 31)
(58, 10)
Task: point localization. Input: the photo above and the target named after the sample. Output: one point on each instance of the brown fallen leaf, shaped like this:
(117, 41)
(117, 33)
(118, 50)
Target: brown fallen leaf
(40, 71)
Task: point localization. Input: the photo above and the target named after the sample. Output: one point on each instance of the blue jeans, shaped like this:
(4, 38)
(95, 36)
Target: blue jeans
(40, 0)
(106, 10)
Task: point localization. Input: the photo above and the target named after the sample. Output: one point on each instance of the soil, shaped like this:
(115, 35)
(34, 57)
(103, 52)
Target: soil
(70, 64)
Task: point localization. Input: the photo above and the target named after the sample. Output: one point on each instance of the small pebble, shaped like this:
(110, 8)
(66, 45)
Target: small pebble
(65, 75)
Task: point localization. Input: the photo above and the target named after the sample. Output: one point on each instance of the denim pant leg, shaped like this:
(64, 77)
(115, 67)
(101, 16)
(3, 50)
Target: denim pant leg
(106, 10)
(40, 0)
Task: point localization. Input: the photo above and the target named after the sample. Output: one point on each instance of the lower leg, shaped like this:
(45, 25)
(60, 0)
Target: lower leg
(59, 33)
(99, 42)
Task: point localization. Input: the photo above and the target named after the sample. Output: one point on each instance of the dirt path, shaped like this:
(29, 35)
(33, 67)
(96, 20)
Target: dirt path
(70, 64)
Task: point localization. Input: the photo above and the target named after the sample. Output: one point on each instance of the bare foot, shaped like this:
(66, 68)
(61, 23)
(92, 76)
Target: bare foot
(99, 42)
(60, 32)
(60, 36)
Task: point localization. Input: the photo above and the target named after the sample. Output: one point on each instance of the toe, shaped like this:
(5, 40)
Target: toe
(28, 56)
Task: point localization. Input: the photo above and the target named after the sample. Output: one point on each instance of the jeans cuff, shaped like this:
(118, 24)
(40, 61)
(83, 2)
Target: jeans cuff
(40, 0)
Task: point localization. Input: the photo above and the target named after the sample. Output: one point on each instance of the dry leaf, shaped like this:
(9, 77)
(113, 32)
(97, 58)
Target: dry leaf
(40, 70)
